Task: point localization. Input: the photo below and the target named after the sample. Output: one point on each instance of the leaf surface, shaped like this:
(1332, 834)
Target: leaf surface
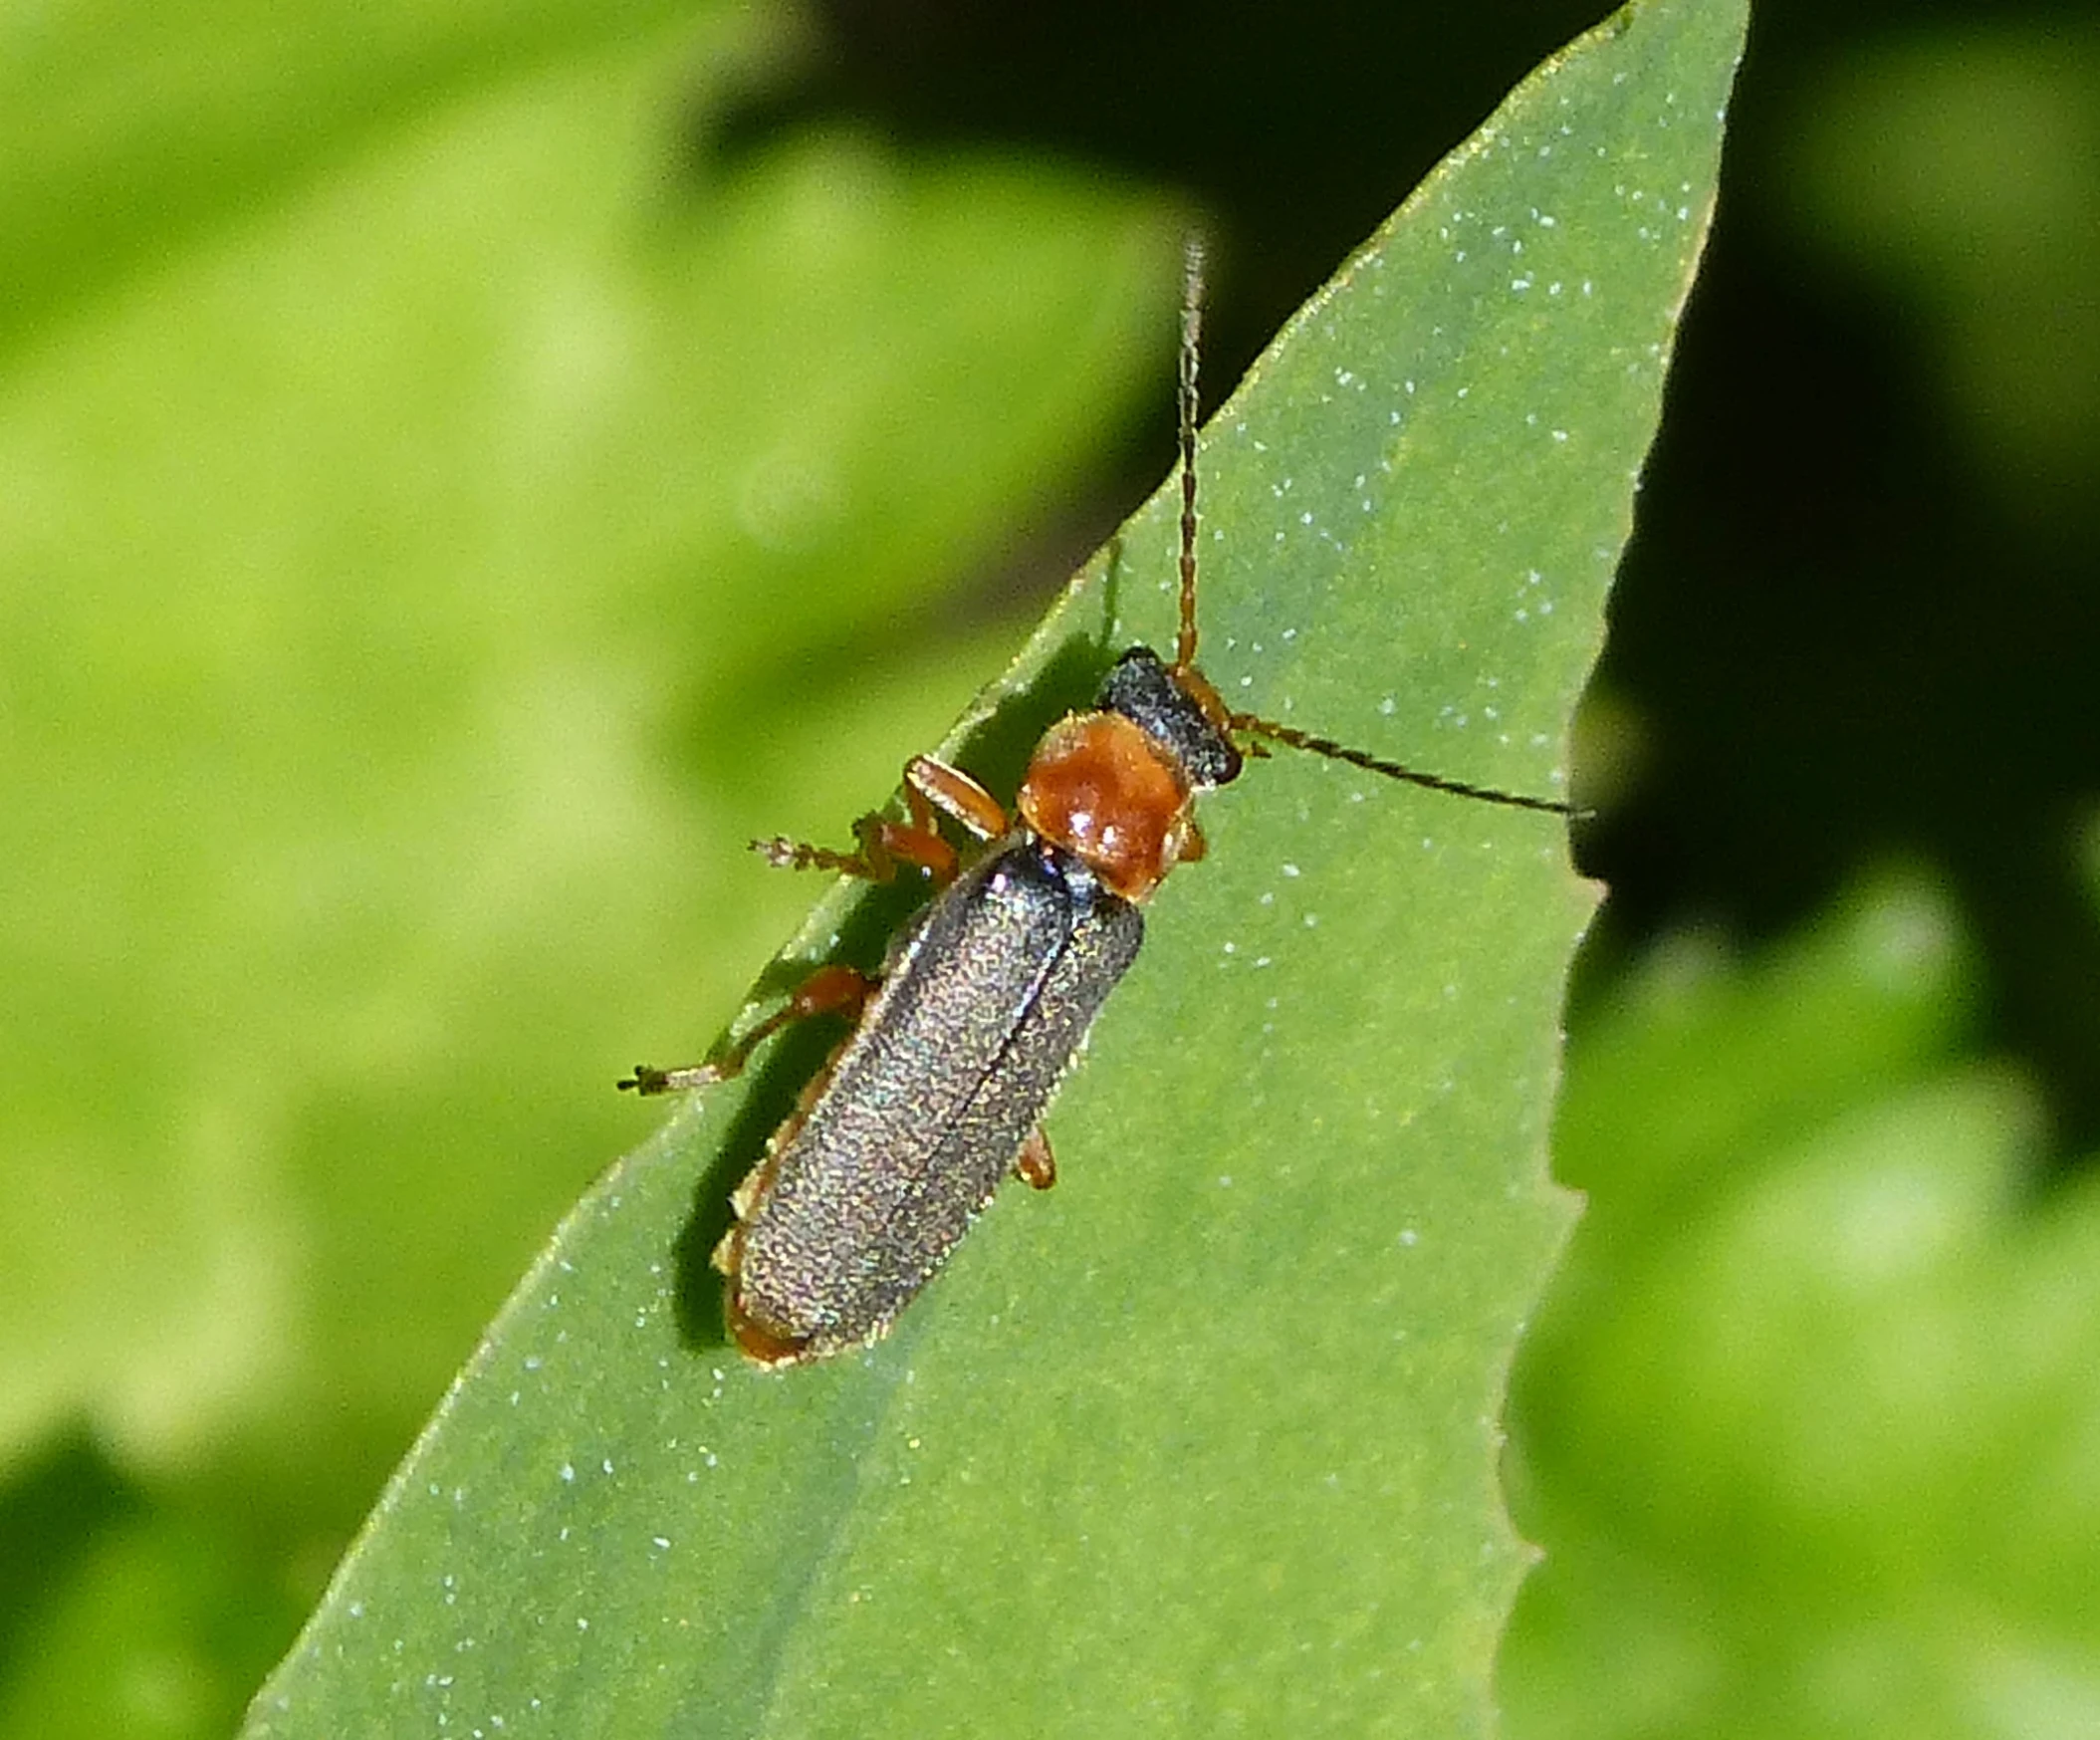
(1206, 1440)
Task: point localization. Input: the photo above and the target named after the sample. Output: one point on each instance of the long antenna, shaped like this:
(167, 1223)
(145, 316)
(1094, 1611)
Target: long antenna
(1254, 726)
(1184, 666)
(1191, 347)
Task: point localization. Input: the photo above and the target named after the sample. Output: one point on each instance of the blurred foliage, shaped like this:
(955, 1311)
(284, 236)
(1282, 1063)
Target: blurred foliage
(1961, 171)
(369, 567)
(340, 294)
(1808, 1422)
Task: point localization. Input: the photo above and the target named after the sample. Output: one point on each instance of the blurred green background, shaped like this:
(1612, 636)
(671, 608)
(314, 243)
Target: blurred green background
(461, 476)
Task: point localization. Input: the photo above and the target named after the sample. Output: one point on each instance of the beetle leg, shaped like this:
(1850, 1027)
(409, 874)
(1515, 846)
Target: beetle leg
(887, 846)
(1036, 1166)
(826, 991)
(957, 795)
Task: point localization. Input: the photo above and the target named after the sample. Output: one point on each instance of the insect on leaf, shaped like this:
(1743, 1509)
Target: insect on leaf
(1205, 1439)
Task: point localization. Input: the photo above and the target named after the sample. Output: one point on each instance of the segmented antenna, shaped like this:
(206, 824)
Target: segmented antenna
(1184, 666)
(1191, 349)
(1254, 726)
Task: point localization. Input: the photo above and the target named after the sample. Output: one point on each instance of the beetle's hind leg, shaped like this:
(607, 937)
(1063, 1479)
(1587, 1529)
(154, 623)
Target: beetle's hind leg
(931, 789)
(829, 990)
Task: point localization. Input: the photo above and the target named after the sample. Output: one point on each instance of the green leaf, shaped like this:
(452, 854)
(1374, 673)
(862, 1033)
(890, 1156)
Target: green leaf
(1206, 1439)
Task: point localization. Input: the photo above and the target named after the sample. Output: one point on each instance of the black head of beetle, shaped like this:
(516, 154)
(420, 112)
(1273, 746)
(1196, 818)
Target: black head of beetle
(1142, 687)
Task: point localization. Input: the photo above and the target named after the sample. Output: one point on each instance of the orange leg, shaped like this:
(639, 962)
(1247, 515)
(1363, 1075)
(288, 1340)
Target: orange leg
(829, 990)
(1036, 1166)
(957, 795)
(887, 846)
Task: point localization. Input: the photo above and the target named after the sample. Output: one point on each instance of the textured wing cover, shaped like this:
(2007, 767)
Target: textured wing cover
(929, 1101)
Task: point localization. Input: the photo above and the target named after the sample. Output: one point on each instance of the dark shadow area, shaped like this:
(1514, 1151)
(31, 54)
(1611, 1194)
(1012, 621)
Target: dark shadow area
(51, 1512)
(1844, 654)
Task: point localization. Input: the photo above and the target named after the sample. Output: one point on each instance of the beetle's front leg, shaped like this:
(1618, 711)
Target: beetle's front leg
(930, 786)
